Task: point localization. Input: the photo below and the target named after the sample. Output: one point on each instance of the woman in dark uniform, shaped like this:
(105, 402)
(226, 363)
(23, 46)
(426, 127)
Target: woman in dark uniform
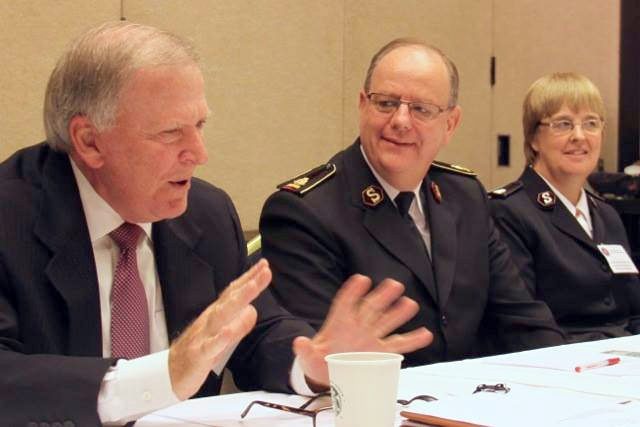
(557, 230)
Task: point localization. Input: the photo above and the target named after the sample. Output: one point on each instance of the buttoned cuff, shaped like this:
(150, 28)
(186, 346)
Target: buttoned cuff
(134, 388)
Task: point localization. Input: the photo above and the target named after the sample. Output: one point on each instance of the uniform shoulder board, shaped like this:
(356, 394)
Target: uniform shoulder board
(506, 191)
(461, 170)
(309, 180)
(593, 193)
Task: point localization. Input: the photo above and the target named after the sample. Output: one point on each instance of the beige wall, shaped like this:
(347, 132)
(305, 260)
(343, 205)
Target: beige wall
(32, 36)
(283, 75)
(537, 37)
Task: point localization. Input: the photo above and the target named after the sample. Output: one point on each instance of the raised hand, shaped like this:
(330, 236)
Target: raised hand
(216, 332)
(360, 320)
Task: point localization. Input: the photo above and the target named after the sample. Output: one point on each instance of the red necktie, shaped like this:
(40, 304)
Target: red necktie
(129, 311)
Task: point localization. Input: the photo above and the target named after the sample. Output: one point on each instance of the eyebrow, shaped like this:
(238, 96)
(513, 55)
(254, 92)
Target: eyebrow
(569, 117)
(413, 100)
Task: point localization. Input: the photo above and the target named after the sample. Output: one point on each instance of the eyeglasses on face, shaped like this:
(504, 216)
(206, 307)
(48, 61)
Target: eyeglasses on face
(387, 104)
(300, 410)
(560, 127)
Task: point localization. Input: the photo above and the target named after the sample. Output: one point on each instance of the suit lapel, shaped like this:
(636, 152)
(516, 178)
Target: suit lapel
(387, 227)
(383, 222)
(61, 226)
(187, 281)
(565, 222)
(443, 240)
(560, 216)
(596, 221)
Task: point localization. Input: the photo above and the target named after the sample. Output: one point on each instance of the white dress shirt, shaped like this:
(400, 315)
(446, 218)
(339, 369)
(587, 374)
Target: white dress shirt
(133, 388)
(416, 210)
(138, 386)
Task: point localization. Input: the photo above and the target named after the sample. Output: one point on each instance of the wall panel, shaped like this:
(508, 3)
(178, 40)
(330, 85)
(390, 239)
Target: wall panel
(273, 71)
(32, 35)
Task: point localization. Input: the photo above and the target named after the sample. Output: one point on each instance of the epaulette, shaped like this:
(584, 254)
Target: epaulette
(593, 193)
(309, 180)
(506, 191)
(461, 170)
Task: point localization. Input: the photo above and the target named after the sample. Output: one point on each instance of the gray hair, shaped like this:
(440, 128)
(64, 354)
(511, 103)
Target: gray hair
(454, 79)
(88, 78)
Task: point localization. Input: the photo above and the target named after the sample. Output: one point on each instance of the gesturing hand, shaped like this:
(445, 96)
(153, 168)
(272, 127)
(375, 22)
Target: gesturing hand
(360, 320)
(216, 331)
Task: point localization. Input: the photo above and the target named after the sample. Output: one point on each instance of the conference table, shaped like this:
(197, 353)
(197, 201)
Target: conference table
(585, 384)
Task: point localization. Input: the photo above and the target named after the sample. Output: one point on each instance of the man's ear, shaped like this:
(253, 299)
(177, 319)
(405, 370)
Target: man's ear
(83, 135)
(362, 101)
(453, 119)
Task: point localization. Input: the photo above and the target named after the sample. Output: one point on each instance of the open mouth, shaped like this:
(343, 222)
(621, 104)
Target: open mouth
(181, 183)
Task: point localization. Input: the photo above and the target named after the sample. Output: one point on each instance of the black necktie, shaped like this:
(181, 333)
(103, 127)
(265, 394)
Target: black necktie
(403, 202)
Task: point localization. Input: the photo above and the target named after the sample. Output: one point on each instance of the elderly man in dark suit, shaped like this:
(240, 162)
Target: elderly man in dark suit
(122, 278)
(385, 208)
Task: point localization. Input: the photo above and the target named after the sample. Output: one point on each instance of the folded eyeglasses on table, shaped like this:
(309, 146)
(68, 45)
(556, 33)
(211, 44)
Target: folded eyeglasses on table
(313, 413)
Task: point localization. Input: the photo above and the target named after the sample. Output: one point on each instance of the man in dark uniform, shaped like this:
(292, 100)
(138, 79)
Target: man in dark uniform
(385, 208)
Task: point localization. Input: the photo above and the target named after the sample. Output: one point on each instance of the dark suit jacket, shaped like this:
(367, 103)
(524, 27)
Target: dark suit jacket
(50, 331)
(563, 267)
(316, 241)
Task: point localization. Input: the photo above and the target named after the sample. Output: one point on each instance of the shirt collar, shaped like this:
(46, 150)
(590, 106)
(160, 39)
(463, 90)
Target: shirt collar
(391, 191)
(100, 216)
(582, 204)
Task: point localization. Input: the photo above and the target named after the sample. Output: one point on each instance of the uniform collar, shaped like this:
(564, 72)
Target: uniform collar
(391, 191)
(582, 204)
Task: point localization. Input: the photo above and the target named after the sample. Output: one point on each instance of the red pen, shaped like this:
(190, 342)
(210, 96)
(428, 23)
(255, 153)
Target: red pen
(600, 364)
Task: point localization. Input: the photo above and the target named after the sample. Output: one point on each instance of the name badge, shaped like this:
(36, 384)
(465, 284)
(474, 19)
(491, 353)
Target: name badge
(619, 260)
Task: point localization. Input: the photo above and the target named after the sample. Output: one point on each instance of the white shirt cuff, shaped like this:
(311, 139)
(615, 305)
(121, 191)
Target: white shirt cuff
(298, 381)
(134, 388)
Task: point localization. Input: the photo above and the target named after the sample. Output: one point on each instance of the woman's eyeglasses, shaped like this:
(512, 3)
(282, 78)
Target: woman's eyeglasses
(564, 126)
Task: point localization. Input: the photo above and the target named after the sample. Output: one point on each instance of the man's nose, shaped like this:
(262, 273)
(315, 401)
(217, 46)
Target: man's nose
(401, 118)
(195, 150)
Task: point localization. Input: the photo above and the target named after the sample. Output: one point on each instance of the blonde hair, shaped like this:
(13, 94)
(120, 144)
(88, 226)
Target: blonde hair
(547, 95)
(88, 78)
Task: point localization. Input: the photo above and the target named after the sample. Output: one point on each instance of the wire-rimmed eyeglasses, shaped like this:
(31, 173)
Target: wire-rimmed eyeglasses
(593, 126)
(300, 410)
(313, 413)
(423, 111)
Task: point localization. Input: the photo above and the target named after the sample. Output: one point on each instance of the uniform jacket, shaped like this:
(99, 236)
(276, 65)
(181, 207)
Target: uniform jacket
(50, 332)
(562, 266)
(316, 241)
